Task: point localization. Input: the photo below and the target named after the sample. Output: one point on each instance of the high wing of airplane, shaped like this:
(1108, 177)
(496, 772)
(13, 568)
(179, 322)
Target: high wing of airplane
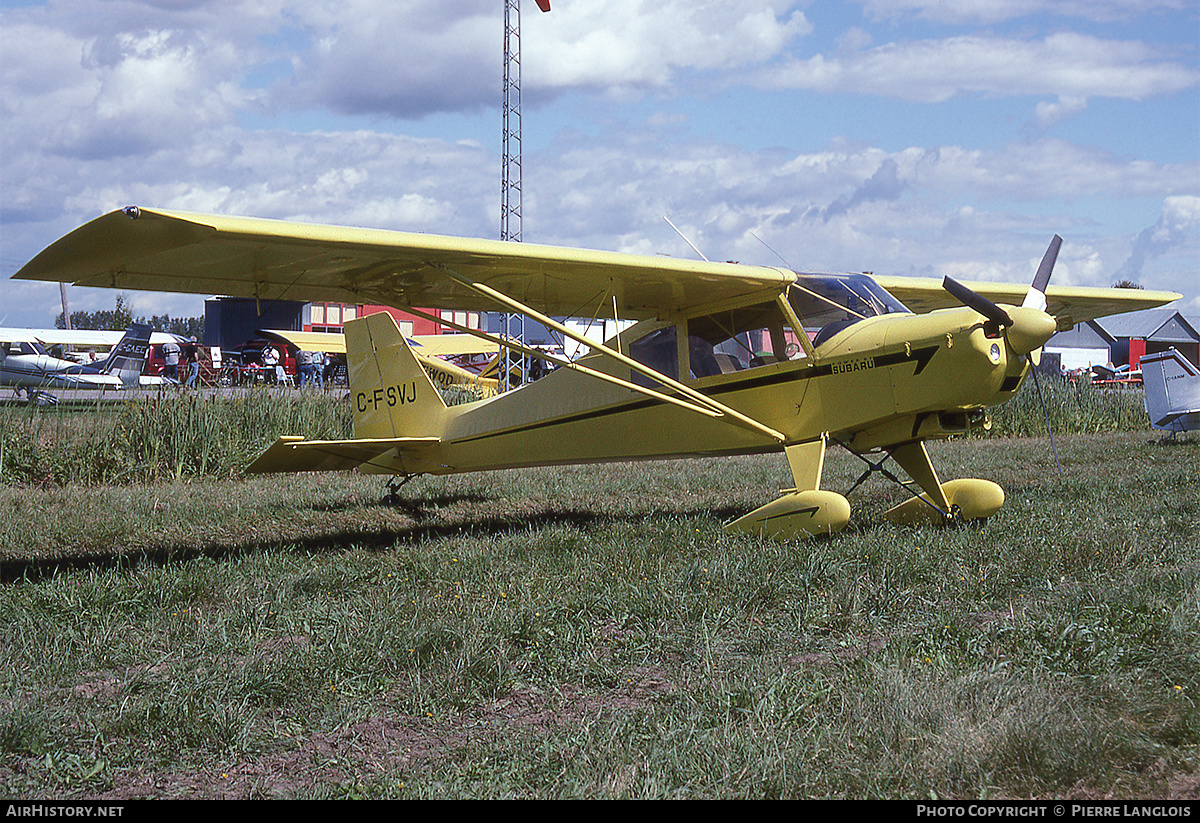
(1172, 386)
(725, 359)
(429, 350)
(452, 345)
(1064, 303)
(429, 345)
(329, 342)
(80, 338)
(26, 365)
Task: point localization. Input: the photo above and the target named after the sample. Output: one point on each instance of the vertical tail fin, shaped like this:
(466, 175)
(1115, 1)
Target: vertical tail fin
(128, 357)
(1172, 386)
(392, 396)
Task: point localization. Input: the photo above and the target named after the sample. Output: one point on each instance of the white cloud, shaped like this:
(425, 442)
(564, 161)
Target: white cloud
(846, 207)
(642, 44)
(411, 59)
(130, 93)
(399, 59)
(1177, 229)
(995, 11)
(1050, 114)
(933, 71)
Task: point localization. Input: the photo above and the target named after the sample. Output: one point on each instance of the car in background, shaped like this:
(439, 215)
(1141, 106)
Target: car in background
(243, 364)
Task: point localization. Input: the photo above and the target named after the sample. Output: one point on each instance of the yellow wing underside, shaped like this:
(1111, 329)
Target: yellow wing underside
(274, 260)
(156, 250)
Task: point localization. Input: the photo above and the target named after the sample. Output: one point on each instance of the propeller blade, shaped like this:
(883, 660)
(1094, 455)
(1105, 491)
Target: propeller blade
(978, 302)
(1036, 296)
(1028, 326)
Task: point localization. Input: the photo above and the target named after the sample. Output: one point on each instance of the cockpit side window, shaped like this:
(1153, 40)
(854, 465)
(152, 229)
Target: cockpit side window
(723, 342)
(658, 350)
(739, 339)
(21, 347)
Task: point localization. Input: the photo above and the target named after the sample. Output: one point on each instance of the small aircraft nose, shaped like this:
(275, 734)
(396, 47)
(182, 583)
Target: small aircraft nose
(1030, 329)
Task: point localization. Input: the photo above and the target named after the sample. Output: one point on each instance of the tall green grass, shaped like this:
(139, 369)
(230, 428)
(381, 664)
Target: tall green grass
(1072, 408)
(158, 436)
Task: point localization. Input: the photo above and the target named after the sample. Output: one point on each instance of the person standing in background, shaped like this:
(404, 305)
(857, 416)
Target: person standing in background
(305, 367)
(270, 359)
(191, 354)
(170, 352)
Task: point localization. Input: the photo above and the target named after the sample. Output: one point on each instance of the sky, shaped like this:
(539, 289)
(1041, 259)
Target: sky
(902, 137)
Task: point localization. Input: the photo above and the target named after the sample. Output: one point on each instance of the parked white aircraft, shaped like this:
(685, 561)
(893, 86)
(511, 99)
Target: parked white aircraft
(26, 365)
(1172, 387)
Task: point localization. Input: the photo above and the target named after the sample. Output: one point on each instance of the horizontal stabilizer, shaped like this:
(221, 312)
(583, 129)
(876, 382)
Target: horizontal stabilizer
(295, 454)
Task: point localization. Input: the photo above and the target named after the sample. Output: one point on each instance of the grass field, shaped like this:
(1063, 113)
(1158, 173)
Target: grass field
(171, 629)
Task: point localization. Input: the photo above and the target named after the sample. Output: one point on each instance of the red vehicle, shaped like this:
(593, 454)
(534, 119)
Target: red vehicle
(240, 366)
(243, 365)
(156, 364)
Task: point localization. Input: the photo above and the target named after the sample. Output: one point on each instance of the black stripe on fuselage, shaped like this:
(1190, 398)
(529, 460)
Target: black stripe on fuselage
(21, 371)
(920, 356)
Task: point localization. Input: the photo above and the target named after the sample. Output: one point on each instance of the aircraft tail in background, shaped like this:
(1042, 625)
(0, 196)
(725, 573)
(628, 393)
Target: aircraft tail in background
(1172, 387)
(128, 357)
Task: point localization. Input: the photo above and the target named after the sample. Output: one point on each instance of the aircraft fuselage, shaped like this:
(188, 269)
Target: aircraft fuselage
(41, 371)
(883, 380)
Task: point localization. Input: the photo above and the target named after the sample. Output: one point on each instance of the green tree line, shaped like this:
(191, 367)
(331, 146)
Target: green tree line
(121, 318)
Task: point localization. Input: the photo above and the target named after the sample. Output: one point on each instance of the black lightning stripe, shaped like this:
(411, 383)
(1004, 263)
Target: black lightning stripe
(920, 356)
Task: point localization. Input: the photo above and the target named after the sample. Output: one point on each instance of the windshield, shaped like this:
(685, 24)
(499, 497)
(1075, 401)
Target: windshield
(821, 299)
(828, 303)
(21, 347)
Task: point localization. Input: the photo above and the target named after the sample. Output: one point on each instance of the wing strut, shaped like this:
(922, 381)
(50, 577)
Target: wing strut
(714, 407)
(566, 364)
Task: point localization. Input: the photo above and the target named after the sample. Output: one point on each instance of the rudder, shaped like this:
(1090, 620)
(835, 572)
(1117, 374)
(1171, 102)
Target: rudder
(391, 393)
(128, 357)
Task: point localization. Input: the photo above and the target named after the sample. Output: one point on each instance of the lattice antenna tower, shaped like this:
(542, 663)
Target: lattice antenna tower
(510, 173)
(510, 182)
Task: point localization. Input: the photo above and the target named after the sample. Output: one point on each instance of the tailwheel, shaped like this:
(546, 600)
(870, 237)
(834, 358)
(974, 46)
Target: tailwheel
(970, 499)
(394, 485)
(796, 515)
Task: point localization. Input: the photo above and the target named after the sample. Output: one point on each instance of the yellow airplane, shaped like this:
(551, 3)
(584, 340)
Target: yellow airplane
(725, 359)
